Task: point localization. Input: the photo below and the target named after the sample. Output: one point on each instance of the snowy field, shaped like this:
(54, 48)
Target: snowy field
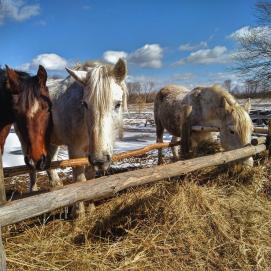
(136, 135)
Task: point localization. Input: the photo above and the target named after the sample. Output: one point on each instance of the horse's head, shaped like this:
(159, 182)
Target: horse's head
(237, 127)
(32, 110)
(103, 102)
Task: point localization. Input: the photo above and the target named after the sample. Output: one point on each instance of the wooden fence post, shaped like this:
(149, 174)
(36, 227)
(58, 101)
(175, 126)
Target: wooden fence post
(3, 266)
(2, 201)
(268, 139)
(2, 185)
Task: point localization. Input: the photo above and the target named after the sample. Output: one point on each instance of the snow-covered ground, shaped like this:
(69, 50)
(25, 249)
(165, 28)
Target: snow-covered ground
(136, 135)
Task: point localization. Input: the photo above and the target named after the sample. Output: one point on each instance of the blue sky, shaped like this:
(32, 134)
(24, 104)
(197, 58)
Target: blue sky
(186, 42)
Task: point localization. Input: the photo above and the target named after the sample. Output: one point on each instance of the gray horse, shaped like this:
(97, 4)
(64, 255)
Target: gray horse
(87, 111)
(211, 106)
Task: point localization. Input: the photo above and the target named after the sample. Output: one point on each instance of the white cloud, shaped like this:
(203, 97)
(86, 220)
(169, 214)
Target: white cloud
(113, 56)
(247, 31)
(191, 47)
(150, 56)
(183, 76)
(218, 54)
(49, 61)
(17, 10)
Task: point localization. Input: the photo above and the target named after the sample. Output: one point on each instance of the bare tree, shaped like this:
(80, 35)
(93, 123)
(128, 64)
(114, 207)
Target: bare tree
(227, 85)
(251, 86)
(141, 92)
(253, 59)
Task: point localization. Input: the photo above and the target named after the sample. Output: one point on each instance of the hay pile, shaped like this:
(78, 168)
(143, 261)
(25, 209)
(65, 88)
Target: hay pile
(204, 221)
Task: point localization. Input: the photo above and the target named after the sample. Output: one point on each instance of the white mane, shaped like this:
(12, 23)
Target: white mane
(98, 91)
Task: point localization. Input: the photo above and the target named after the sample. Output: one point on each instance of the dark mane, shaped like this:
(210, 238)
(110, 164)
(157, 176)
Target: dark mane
(6, 112)
(30, 90)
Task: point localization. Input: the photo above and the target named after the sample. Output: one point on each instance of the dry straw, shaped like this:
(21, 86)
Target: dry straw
(209, 220)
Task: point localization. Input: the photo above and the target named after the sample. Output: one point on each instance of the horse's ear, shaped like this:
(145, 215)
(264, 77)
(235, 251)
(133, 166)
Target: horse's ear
(247, 105)
(42, 75)
(120, 70)
(12, 80)
(79, 76)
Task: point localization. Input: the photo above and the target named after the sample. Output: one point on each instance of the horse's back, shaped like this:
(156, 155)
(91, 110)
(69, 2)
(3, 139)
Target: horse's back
(167, 107)
(170, 94)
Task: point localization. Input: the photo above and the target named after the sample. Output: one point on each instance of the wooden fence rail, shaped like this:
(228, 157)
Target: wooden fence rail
(18, 170)
(18, 210)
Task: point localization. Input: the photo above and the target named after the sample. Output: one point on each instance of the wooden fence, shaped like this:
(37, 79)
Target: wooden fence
(18, 210)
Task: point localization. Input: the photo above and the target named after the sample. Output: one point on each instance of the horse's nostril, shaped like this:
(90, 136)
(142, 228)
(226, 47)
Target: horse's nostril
(98, 162)
(42, 164)
(29, 162)
(43, 158)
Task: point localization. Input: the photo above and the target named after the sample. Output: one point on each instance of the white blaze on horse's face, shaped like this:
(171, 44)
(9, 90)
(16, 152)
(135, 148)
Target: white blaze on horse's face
(103, 94)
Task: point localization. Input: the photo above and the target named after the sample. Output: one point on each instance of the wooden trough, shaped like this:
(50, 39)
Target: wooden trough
(108, 186)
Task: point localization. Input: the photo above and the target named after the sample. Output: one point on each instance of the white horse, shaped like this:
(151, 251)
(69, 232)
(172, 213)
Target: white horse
(211, 106)
(87, 111)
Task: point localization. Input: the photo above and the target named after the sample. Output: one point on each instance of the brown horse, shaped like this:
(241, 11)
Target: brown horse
(26, 103)
(6, 112)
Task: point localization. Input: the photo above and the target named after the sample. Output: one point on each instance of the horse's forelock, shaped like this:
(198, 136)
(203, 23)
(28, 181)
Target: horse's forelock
(98, 91)
(29, 94)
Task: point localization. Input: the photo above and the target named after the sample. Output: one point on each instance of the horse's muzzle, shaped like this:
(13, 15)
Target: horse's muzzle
(100, 164)
(42, 164)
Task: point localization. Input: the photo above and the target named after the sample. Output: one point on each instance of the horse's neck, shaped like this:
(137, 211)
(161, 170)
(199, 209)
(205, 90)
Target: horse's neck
(68, 115)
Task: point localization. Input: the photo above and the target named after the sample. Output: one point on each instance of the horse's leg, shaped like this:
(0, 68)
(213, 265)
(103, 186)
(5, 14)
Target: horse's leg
(54, 179)
(185, 132)
(159, 139)
(174, 149)
(3, 135)
(89, 172)
(33, 181)
(78, 176)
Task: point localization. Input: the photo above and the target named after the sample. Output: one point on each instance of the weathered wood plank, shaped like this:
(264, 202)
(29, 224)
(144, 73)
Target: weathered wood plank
(3, 266)
(17, 170)
(258, 140)
(198, 128)
(14, 171)
(261, 130)
(16, 211)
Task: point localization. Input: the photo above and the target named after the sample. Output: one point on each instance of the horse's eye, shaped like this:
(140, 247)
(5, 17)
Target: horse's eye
(232, 132)
(85, 104)
(117, 106)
